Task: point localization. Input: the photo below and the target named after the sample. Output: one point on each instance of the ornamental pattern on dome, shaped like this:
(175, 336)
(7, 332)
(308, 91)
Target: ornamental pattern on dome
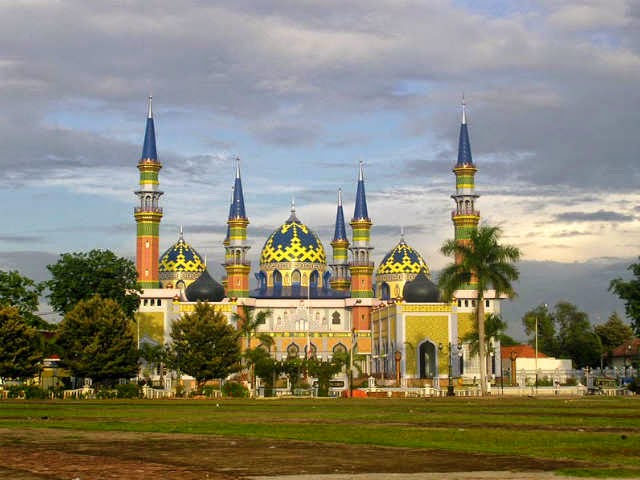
(403, 259)
(293, 242)
(181, 257)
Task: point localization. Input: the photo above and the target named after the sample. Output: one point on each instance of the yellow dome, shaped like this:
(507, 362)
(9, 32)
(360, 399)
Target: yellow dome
(293, 242)
(403, 259)
(180, 265)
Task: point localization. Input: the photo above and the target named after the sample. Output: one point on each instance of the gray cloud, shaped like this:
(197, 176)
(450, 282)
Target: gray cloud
(599, 216)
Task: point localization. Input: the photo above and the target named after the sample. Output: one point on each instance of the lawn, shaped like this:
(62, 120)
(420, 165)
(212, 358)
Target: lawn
(599, 436)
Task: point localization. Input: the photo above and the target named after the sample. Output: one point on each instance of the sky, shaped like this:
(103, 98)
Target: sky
(302, 92)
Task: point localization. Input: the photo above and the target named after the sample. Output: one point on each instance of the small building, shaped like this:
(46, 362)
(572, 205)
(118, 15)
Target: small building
(520, 364)
(626, 356)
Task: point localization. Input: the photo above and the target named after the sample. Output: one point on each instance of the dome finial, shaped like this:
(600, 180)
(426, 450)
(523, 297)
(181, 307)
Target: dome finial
(340, 196)
(402, 233)
(293, 205)
(150, 110)
(464, 111)
(361, 173)
(180, 233)
(237, 159)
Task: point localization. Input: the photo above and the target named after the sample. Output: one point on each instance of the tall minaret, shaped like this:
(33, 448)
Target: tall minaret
(340, 280)
(465, 217)
(148, 214)
(361, 266)
(236, 247)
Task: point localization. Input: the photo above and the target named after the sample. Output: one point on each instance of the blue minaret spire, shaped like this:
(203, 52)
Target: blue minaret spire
(464, 146)
(149, 148)
(237, 207)
(360, 211)
(340, 231)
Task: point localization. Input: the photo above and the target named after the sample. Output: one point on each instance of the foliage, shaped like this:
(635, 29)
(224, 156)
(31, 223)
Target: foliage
(128, 390)
(493, 328)
(27, 392)
(547, 341)
(20, 346)
(629, 291)
(613, 332)
(564, 333)
(292, 367)
(481, 263)
(22, 293)
(204, 345)
(265, 367)
(80, 276)
(324, 370)
(98, 341)
(634, 385)
(235, 389)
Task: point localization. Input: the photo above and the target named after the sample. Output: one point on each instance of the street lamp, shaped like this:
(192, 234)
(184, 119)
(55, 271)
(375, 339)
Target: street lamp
(450, 390)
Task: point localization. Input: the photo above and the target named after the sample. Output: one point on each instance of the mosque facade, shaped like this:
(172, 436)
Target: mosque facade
(391, 317)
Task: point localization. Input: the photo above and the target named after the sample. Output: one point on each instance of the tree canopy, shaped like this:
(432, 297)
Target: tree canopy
(613, 332)
(23, 293)
(20, 346)
(481, 263)
(81, 275)
(204, 345)
(98, 341)
(629, 291)
(564, 332)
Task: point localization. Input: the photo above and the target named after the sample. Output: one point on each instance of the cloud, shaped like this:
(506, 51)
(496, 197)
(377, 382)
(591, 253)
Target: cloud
(599, 216)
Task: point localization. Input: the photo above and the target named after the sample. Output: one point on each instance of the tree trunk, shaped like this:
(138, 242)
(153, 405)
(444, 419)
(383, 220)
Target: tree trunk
(481, 343)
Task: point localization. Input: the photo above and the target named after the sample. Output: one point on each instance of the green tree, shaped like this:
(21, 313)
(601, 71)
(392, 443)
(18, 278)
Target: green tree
(204, 345)
(547, 341)
(79, 276)
(629, 291)
(324, 370)
(481, 263)
(576, 338)
(613, 332)
(494, 327)
(20, 346)
(292, 367)
(97, 340)
(23, 293)
(247, 322)
(265, 367)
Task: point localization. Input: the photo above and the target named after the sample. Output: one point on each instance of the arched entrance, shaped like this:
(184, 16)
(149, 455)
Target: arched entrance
(427, 359)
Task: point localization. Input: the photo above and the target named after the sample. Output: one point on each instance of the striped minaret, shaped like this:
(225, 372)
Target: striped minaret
(236, 247)
(148, 213)
(465, 217)
(361, 267)
(340, 279)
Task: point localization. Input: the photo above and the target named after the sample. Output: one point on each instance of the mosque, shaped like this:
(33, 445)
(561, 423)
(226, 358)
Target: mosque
(391, 317)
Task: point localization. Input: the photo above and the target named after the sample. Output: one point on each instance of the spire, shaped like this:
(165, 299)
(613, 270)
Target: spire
(340, 232)
(180, 232)
(360, 211)
(464, 147)
(237, 208)
(293, 218)
(149, 148)
(402, 234)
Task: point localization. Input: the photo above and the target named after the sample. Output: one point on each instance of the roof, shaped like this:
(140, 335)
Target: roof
(522, 351)
(403, 259)
(293, 241)
(464, 146)
(181, 257)
(340, 231)
(237, 206)
(627, 349)
(149, 147)
(360, 210)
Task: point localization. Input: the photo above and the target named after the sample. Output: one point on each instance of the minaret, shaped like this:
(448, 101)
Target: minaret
(236, 262)
(340, 280)
(148, 214)
(361, 266)
(465, 217)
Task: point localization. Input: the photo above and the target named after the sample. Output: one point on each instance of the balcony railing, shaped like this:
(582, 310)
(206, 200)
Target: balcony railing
(361, 263)
(147, 210)
(465, 211)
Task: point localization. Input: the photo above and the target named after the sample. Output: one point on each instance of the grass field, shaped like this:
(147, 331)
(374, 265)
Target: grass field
(582, 436)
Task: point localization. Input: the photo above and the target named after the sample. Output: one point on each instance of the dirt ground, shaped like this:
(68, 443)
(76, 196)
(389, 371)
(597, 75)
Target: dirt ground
(73, 455)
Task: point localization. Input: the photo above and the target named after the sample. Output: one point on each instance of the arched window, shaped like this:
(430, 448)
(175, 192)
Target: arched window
(295, 278)
(339, 348)
(313, 279)
(277, 279)
(335, 318)
(293, 350)
(386, 291)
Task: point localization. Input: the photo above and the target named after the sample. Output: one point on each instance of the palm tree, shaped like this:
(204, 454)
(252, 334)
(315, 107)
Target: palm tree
(247, 322)
(482, 263)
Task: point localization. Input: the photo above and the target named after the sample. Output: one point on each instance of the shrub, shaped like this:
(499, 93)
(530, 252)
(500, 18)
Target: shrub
(209, 390)
(128, 390)
(634, 385)
(27, 392)
(235, 389)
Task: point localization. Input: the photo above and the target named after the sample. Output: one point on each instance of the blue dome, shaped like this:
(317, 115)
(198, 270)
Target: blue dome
(181, 257)
(403, 259)
(293, 242)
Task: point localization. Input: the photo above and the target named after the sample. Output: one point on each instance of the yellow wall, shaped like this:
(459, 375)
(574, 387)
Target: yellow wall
(434, 327)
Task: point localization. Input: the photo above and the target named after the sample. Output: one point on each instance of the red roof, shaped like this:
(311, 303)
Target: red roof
(629, 348)
(521, 351)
